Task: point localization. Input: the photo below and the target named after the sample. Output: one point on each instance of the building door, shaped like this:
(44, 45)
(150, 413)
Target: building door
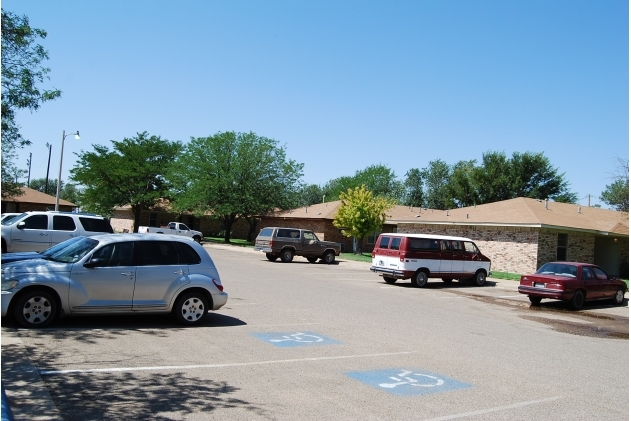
(607, 254)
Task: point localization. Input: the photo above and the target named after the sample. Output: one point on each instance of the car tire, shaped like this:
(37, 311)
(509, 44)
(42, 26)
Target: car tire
(190, 308)
(329, 257)
(420, 279)
(447, 280)
(577, 300)
(271, 257)
(36, 308)
(618, 299)
(389, 280)
(535, 301)
(480, 278)
(286, 256)
(312, 259)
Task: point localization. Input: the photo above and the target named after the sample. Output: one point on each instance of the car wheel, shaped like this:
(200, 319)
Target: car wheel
(35, 309)
(480, 278)
(389, 280)
(618, 299)
(329, 257)
(534, 300)
(312, 259)
(286, 256)
(578, 300)
(191, 308)
(271, 257)
(447, 280)
(420, 279)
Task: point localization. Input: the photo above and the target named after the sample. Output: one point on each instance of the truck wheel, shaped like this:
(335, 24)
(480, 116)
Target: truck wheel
(271, 257)
(389, 280)
(286, 256)
(419, 279)
(312, 259)
(329, 257)
(480, 278)
(197, 239)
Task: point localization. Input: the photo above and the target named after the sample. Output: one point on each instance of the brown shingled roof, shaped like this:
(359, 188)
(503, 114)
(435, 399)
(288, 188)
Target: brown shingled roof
(514, 212)
(34, 196)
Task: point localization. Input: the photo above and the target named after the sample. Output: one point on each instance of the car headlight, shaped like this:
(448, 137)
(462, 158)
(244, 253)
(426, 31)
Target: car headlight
(9, 285)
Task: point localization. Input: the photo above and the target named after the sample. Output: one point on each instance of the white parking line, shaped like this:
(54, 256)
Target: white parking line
(188, 367)
(496, 409)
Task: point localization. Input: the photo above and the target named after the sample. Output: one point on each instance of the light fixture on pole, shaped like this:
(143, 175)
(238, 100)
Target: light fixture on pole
(61, 160)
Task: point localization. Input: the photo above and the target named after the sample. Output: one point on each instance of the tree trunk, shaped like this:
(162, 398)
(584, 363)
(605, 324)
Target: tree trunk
(227, 222)
(136, 209)
(253, 223)
(357, 245)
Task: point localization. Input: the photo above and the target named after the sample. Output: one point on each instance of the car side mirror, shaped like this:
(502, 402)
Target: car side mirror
(95, 262)
(21, 225)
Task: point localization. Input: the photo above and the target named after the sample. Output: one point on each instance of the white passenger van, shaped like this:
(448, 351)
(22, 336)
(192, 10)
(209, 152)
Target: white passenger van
(420, 257)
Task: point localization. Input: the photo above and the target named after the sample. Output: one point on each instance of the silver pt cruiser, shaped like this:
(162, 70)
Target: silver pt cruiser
(114, 274)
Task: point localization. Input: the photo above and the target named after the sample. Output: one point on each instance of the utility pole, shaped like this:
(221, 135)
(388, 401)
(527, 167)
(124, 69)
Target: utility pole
(50, 148)
(30, 159)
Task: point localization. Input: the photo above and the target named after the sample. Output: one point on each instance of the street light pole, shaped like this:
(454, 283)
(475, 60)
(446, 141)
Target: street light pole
(61, 160)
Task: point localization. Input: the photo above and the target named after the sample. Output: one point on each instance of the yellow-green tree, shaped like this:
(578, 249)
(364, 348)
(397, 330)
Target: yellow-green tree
(360, 213)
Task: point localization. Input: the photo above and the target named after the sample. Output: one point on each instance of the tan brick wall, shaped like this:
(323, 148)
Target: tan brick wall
(511, 249)
(580, 246)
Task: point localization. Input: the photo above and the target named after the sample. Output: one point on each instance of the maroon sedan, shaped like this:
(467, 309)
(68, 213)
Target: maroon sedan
(573, 282)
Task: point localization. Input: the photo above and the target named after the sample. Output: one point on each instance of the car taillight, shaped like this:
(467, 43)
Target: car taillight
(373, 254)
(271, 244)
(218, 285)
(401, 256)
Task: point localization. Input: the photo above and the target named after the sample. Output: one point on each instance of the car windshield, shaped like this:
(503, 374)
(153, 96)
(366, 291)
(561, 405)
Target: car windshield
(558, 269)
(11, 219)
(58, 247)
(74, 252)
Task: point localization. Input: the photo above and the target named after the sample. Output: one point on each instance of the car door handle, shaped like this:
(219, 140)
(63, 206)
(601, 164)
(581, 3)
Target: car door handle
(44, 234)
(126, 273)
(180, 272)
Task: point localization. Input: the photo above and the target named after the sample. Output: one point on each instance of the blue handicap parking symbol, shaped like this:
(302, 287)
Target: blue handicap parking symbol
(407, 382)
(302, 338)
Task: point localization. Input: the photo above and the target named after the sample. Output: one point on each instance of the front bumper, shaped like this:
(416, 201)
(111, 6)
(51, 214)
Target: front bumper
(545, 293)
(6, 301)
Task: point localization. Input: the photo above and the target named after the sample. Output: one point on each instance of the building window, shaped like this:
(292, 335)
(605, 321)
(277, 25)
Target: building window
(372, 237)
(562, 247)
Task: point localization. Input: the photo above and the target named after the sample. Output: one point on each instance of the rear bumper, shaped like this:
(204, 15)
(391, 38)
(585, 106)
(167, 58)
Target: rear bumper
(263, 249)
(545, 293)
(219, 300)
(398, 274)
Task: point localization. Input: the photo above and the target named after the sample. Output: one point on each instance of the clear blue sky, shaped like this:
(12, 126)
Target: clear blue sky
(342, 84)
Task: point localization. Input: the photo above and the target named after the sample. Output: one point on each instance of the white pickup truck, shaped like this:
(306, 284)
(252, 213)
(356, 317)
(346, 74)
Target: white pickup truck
(175, 228)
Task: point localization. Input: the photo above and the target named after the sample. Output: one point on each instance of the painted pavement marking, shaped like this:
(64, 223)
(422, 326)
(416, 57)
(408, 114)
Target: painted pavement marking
(196, 366)
(303, 338)
(407, 382)
(495, 409)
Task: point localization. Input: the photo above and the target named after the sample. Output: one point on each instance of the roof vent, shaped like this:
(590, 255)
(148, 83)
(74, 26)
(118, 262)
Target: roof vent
(319, 213)
(447, 213)
(417, 216)
(467, 216)
(579, 209)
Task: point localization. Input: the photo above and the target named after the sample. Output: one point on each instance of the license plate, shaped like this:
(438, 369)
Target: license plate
(539, 285)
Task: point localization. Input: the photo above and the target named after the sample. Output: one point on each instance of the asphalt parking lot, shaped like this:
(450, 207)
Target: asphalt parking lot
(315, 341)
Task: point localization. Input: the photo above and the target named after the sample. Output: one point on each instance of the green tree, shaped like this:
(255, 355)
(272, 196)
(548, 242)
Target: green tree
(133, 173)
(333, 188)
(22, 72)
(381, 181)
(413, 185)
(360, 213)
(616, 194)
(461, 187)
(436, 177)
(235, 175)
(310, 195)
(67, 192)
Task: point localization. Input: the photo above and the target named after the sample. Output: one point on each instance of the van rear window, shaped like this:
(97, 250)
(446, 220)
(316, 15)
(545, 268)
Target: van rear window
(396, 242)
(383, 243)
(424, 244)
